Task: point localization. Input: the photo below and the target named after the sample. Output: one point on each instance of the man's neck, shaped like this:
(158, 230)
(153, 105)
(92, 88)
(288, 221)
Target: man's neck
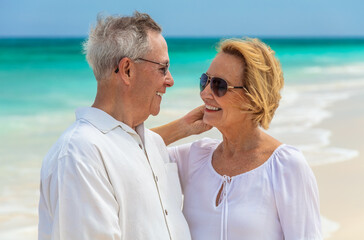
(117, 105)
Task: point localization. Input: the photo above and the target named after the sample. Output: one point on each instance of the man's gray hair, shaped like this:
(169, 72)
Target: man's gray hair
(115, 37)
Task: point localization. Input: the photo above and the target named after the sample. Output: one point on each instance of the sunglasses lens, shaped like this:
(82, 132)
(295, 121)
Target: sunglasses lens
(203, 81)
(219, 86)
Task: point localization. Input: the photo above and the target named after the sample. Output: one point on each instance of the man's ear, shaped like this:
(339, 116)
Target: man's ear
(124, 70)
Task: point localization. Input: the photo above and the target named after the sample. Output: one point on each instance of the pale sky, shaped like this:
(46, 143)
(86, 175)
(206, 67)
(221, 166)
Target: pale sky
(190, 18)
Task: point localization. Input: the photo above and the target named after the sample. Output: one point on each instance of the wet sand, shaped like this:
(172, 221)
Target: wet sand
(341, 184)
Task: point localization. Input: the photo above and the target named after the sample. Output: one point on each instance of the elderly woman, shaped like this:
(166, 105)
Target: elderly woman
(249, 185)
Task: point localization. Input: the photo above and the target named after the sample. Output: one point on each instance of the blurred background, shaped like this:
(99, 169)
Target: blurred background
(44, 77)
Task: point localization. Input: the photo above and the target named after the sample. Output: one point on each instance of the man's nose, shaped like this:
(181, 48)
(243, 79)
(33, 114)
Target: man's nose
(169, 79)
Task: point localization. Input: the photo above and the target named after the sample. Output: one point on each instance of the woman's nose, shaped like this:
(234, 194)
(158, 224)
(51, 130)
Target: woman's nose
(206, 92)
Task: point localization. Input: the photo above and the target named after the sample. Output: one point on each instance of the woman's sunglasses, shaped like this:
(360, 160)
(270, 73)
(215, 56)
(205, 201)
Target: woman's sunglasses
(218, 85)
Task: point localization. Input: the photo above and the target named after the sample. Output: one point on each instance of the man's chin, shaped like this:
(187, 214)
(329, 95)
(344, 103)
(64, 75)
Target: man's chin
(155, 112)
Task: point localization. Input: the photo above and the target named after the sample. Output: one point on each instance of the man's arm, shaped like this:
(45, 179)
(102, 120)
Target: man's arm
(189, 124)
(82, 203)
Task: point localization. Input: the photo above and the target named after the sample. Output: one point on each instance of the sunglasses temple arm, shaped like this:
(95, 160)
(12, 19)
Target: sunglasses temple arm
(234, 87)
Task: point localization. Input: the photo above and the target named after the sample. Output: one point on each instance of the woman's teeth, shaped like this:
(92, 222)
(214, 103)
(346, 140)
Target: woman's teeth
(212, 108)
(159, 94)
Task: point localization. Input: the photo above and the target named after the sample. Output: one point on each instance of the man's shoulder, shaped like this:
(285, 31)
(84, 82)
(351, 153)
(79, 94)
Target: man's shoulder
(80, 134)
(156, 138)
(77, 140)
(158, 144)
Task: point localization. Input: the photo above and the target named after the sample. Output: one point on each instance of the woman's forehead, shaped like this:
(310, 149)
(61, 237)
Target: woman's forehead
(227, 66)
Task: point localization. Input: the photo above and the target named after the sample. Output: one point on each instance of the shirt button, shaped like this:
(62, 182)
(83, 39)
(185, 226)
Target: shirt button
(166, 212)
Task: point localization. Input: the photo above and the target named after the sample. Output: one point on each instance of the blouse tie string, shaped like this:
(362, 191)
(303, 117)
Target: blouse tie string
(225, 206)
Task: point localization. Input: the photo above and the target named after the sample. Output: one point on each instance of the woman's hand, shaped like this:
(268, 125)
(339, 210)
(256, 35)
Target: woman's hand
(190, 124)
(193, 121)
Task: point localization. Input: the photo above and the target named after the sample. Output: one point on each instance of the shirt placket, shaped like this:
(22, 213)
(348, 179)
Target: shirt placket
(225, 207)
(155, 177)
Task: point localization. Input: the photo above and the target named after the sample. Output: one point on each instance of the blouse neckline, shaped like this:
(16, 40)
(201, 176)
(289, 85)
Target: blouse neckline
(244, 173)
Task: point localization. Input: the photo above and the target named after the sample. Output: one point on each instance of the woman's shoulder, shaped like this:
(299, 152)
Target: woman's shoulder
(289, 164)
(193, 156)
(287, 157)
(202, 149)
(196, 151)
(205, 144)
(294, 184)
(285, 154)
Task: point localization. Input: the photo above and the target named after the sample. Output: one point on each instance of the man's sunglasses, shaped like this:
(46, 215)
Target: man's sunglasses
(164, 69)
(218, 85)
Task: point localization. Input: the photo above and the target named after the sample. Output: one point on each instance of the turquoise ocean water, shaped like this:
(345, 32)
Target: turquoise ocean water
(42, 82)
(38, 75)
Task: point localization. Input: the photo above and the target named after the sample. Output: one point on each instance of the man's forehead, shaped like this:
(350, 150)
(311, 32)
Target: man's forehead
(158, 46)
(157, 39)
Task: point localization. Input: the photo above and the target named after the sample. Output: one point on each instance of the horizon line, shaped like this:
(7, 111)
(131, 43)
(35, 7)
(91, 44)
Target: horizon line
(197, 37)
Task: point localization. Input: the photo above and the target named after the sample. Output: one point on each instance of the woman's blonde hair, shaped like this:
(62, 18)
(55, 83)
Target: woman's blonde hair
(262, 78)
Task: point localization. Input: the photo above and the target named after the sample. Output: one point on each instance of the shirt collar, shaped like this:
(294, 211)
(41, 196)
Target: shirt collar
(104, 122)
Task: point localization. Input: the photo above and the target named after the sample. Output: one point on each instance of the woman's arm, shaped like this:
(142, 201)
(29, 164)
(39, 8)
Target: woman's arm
(189, 124)
(296, 195)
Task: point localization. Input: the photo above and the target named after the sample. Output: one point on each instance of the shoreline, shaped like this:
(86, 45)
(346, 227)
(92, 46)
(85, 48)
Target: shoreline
(341, 183)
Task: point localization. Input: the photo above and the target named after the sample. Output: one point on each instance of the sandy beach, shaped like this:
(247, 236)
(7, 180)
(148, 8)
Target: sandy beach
(341, 184)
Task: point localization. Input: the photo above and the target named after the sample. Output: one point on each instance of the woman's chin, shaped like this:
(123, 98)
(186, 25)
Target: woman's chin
(209, 121)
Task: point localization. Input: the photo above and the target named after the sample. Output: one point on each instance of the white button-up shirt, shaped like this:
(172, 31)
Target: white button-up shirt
(103, 180)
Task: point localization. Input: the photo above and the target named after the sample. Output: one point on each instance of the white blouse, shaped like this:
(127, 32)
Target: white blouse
(277, 200)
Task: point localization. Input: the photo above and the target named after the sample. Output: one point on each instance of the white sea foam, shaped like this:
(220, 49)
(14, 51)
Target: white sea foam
(328, 155)
(302, 109)
(15, 233)
(351, 69)
(328, 227)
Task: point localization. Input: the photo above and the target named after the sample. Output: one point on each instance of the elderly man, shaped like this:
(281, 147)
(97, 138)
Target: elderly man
(107, 177)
